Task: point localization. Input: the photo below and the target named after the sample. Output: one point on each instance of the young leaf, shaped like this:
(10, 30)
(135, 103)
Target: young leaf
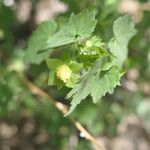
(95, 41)
(38, 40)
(81, 25)
(123, 31)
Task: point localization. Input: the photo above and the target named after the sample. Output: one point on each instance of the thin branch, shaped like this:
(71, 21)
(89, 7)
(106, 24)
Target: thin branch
(62, 108)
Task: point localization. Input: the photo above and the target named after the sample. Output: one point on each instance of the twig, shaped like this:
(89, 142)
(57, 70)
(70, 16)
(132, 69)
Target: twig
(62, 108)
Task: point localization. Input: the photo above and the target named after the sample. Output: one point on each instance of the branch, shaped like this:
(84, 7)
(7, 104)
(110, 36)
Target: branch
(62, 108)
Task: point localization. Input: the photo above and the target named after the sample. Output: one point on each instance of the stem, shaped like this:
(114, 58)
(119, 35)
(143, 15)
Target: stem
(62, 108)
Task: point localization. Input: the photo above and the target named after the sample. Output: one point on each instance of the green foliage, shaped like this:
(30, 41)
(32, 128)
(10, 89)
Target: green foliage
(80, 25)
(104, 82)
(99, 80)
(90, 69)
(123, 31)
(79, 51)
(7, 20)
(91, 50)
(38, 40)
(55, 79)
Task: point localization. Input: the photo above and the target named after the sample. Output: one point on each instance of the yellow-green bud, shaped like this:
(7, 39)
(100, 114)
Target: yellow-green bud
(88, 43)
(64, 73)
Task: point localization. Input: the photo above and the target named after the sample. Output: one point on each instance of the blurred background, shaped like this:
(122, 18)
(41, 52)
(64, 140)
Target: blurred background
(119, 122)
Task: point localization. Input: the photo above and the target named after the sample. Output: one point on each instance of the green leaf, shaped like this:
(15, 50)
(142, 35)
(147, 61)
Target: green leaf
(95, 41)
(66, 56)
(85, 85)
(51, 79)
(75, 67)
(53, 63)
(80, 25)
(61, 38)
(104, 82)
(72, 81)
(38, 41)
(83, 23)
(107, 62)
(123, 31)
(82, 89)
(79, 92)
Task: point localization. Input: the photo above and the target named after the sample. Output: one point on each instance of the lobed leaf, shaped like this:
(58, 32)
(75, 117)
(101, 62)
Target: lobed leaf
(104, 82)
(81, 25)
(123, 31)
(99, 80)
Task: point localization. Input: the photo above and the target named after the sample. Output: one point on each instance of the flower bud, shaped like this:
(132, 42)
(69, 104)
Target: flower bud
(64, 73)
(88, 43)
